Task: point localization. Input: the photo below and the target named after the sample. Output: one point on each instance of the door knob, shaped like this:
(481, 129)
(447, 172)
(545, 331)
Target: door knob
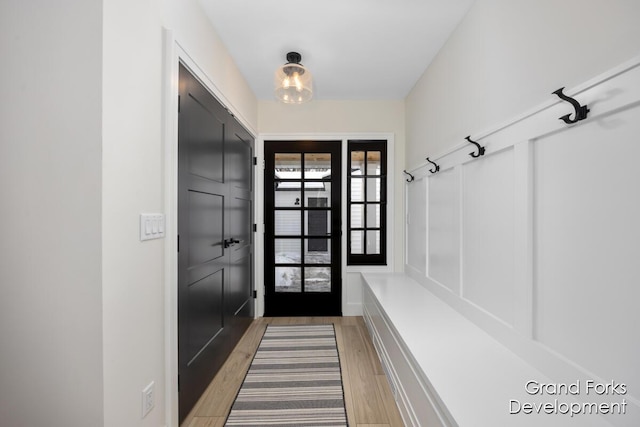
(230, 242)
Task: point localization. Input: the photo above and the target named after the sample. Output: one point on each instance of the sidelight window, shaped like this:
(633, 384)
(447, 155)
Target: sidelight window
(366, 199)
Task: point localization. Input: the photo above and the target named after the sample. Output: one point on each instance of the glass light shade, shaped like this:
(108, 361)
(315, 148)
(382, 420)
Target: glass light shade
(293, 84)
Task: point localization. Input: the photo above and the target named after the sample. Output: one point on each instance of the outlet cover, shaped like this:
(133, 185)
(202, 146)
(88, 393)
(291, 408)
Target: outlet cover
(148, 399)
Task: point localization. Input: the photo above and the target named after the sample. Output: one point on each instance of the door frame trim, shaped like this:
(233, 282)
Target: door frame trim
(174, 54)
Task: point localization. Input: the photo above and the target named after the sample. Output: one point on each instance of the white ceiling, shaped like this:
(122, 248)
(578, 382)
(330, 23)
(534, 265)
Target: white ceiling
(355, 49)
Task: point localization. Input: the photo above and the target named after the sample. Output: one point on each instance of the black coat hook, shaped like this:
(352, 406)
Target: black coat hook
(581, 110)
(411, 177)
(480, 148)
(436, 169)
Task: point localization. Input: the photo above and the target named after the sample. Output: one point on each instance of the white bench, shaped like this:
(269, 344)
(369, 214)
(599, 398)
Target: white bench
(444, 369)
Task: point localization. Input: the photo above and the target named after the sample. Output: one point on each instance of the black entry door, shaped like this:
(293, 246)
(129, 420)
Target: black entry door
(302, 228)
(215, 256)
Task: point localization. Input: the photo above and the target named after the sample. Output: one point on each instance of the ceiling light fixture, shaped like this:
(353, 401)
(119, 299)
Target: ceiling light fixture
(293, 82)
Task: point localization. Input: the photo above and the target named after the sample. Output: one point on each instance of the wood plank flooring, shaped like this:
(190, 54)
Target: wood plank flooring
(368, 397)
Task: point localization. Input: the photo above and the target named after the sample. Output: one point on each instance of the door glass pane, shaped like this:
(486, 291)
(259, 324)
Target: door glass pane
(357, 216)
(317, 223)
(373, 216)
(317, 194)
(288, 279)
(317, 251)
(317, 279)
(357, 242)
(373, 242)
(288, 166)
(373, 163)
(317, 166)
(301, 230)
(287, 251)
(288, 194)
(357, 189)
(287, 223)
(357, 163)
(373, 189)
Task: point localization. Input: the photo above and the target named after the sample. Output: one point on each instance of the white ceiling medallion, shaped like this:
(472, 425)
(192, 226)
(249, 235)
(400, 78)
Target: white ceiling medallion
(293, 82)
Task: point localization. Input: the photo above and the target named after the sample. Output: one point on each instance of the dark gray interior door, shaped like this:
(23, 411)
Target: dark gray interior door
(215, 239)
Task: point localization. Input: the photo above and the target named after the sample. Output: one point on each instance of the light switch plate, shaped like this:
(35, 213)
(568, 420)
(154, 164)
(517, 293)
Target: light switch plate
(152, 226)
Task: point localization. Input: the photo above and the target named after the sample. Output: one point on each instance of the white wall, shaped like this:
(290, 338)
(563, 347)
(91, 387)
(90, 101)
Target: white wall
(193, 31)
(133, 182)
(341, 117)
(133, 315)
(506, 57)
(50, 187)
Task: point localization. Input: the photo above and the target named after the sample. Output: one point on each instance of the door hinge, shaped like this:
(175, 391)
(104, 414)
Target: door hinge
(255, 294)
(178, 383)
(255, 227)
(264, 164)
(255, 161)
(178, 103)
(178, 243)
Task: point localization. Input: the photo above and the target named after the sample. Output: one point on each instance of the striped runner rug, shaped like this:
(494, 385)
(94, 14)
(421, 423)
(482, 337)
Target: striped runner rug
(294, 380)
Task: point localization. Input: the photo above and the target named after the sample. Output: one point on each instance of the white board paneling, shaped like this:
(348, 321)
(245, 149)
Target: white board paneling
(488, 237)
(444, 228)
(537, 242)
(587, 245)
(417, 225)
